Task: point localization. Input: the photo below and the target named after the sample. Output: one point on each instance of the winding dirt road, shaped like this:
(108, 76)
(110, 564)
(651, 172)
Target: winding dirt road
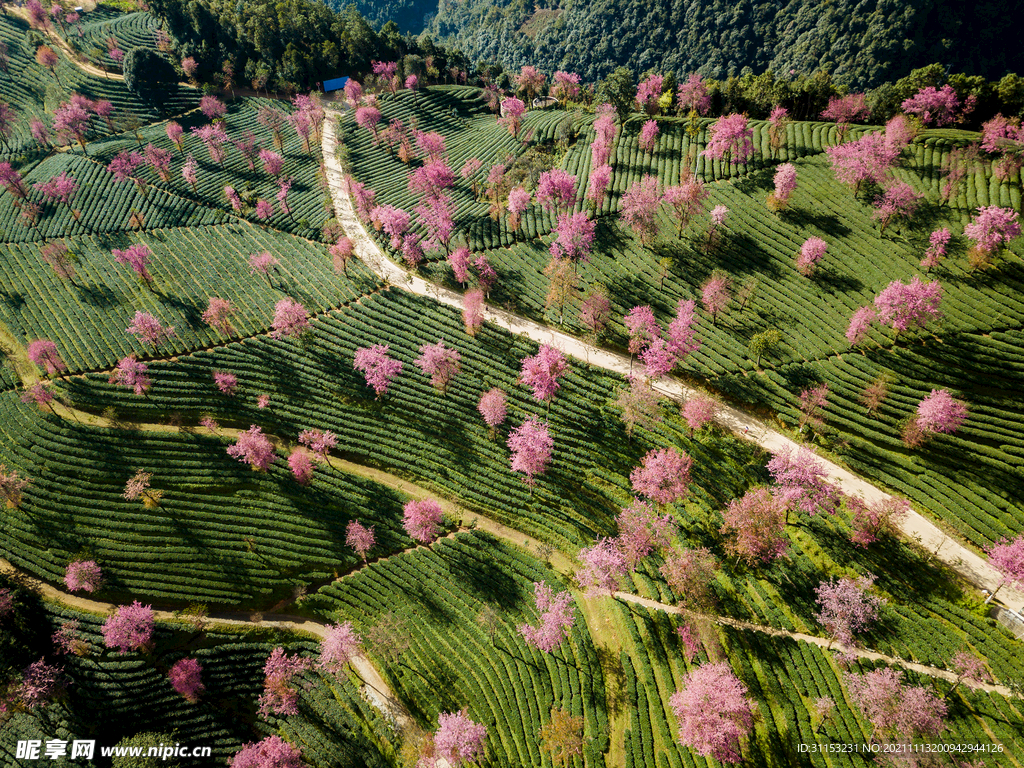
(969, 564)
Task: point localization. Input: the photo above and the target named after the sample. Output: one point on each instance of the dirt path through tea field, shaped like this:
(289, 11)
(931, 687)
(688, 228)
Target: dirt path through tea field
(971, 565)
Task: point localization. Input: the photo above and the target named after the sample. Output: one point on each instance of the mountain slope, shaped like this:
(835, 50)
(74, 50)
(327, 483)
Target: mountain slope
(863, 42)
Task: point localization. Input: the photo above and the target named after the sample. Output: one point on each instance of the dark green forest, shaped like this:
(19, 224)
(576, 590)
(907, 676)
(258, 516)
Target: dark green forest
(862, 43)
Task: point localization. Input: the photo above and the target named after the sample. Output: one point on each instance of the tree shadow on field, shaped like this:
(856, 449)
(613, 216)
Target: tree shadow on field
(187, 307)
(112, 239)
(834, 281)
(798, 376)
(826, 223)
(483, 579)
(14, 300)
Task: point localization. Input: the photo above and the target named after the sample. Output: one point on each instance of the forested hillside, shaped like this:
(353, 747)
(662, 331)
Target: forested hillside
(863, 43)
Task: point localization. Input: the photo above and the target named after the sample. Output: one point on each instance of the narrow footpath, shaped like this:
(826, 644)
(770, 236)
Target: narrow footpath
(969, 564)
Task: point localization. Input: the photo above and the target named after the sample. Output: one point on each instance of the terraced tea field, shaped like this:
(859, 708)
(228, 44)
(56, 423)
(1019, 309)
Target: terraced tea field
(250, 554)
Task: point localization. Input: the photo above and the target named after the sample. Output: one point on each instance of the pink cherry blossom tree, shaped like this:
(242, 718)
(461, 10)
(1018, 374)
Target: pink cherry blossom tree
(11, 486)
(531, 445)
(458, 739)
(556, 190)
(83, 576)
(130, 372)
(713, 712)
(941, 412)
(432, 179)
(691, 573)
(273, 163)
(648, 136)
(218, 313)
(290, 319)
(226, 382)
(600, 178)
(872, 521)
(968, 667)
(894, 708)
(518, 203)
(845, 607)
(189, 172)
(1007, 557)
(642, 327)
(992, 227)
(340, 644)
(493, 409)
(377, 366)
(212, 107)
(472, 310)
(902, 305)
(213, 137)
(778, 120)
(595, 311)
(253, 448)
(263, 263)
(811, 252)
(565, 86)
(642, 530)
(512, 111)
(813, 401)
(72, 120)
(698, 412)
(422, 520)
(731, 139)
(649, 92)
(137, 257)
(174, 132)
(459, 259)
(442, 364)
(43, 353)
(271, 752)
(715, 294)
(186, 678)
(686, 201)
(638, 208)
(869, 158)
(129, 628)
(897, 202)
(575, 237)
(801, 482)
(279, 697)
(367, 118)
(557, 615)
(682, 340)
(40, 683)
(394, 222)
(437, 217)
(860, 323)
(639, 404)
(301, 465)
(693, 96)
(341, 253)
(938, 242)
(319, 442)
(360, 537)
(934, 105)
(664, 475)
(785, 184)
(754, 525)
(843, 110)
(189, 66)
(602, 567)
(542, 371)
(60, 188)
(148, 329)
